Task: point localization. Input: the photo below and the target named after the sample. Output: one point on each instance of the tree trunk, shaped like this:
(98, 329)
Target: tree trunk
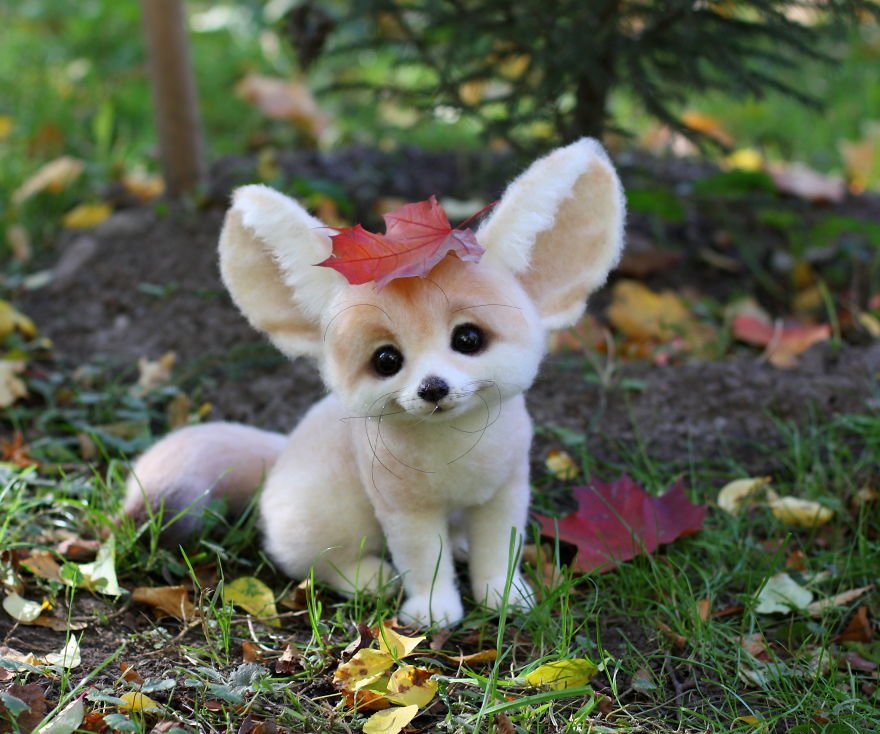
(175, 101)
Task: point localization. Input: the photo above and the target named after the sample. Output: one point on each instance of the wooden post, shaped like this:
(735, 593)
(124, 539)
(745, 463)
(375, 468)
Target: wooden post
(175, 101)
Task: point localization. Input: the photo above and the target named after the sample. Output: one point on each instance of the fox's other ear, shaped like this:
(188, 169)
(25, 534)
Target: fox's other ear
(559, 227)
(268, 248)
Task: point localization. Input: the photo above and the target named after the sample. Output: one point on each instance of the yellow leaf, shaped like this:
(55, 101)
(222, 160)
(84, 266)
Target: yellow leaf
(708, 125)
(6, 124)
(135, 701)
(745, 159)
(172, 600)
(410, 685)
(85, 216)
(642, 314)
(143, 185)
(560, 464)
(396, 644)
(13, 320)
(390, 721)
(254, 597)
(54, 176)
(11, 386)
(364, 669)
(563, 674)
(802, 513)
(735, 493)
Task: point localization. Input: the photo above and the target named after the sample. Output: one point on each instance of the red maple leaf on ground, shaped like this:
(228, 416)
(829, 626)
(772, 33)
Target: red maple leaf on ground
(417, 237)
(618, 521)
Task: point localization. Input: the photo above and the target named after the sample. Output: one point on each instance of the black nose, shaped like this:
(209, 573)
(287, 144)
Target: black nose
(433, 389)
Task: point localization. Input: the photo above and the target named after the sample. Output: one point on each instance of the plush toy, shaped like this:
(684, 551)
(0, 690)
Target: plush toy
(426, 338)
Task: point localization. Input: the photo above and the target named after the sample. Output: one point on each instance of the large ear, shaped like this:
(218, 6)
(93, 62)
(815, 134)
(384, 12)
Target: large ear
(559, 227)
(268, 250)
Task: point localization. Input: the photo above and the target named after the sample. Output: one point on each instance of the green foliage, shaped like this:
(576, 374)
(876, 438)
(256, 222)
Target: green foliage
(532, 69)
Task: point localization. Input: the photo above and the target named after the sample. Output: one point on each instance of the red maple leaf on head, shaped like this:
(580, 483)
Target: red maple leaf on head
(616, 522)
(417, 237)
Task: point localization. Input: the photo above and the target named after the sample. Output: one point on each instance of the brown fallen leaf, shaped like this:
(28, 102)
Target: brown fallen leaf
(130, 674)
(783, 342)
(755, 645)
(855, 661)
(251, 653)
(153, 373)
(483, 656)
(838, 600)
(284, 99)
(289, 661)
(859, 628)
(42, 563)
(704, 609)
(166, 600)
(34, 697)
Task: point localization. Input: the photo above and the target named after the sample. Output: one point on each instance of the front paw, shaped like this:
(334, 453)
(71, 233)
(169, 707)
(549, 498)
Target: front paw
(491, 593)
(424, 610)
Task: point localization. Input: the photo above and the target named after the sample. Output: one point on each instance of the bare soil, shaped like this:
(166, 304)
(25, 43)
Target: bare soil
(146, 282)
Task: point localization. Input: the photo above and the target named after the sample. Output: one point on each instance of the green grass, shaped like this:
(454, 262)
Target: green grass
(664, 664)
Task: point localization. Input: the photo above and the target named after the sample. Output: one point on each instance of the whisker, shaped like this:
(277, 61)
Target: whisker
(482, 433)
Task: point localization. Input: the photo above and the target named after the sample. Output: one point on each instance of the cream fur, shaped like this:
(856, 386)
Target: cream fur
(374, 465)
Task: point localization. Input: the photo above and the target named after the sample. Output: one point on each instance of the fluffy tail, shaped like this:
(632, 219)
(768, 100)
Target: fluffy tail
(194, 465)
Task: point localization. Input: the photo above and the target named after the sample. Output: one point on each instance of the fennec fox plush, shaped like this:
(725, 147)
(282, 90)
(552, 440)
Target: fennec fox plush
(422, 444)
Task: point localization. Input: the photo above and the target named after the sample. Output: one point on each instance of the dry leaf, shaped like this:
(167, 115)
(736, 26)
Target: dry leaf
(390, 721)
(288, 662)
(561, 465)
(68, 657)
(859, 628)
(19, 241)
(85, 216)
(130, 674)
(98, 576)
(708, 125)
(798, 179)
(563, 674)
(170, 600)
(799, 512)
(254, 597)
(838, 600)
(735, 493)
(283, 99)
(251, 653)
(153, 373)
(365, 668)
(745, 159)
(139, 702)
(395, 644)
(6, 125)
(643, 315)
(143, 186)
(54, 176)
(43, 564)
(410, 685)
(781, 594)
(11, 319)
(483, 656)
(783, 342)
(21, 609)
(704, 609)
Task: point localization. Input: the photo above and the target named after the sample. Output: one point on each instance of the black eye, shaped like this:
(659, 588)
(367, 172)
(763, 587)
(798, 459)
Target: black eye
(468, 339)
(387, 361)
